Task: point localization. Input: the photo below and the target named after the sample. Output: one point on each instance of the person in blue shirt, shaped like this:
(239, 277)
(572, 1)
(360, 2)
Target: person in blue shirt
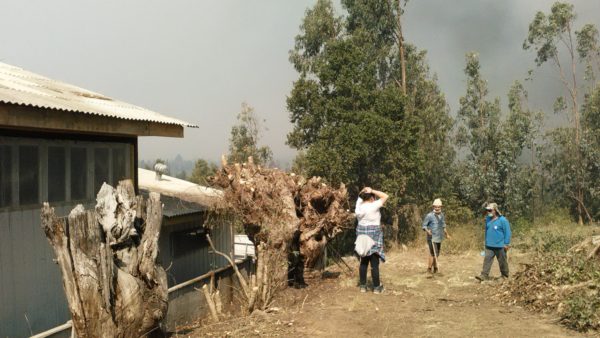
(497, 241)
(434, 225)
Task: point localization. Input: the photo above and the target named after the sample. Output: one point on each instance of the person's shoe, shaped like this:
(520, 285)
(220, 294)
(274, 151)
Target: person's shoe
(378, 290)
(300, 285)
(435, 269)
(363, 288)
(482, 278)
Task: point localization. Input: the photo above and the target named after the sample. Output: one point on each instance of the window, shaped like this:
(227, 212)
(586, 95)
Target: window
(101, 166)
(29, 168)
(34, 170)
(5, 176)
(188, 241)
(78, 173)
(57, 180)
(118, 165)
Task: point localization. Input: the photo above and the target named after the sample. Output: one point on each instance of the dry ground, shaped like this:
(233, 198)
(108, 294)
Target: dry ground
(414, 304)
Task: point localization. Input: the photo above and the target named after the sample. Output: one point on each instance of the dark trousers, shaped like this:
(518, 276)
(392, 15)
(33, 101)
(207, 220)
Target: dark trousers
(500, 254)
(438, 247)
(295, 268)
(364, 264)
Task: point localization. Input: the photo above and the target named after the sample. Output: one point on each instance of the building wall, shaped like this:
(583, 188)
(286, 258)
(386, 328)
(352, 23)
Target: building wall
(185, 252)
(32, 298)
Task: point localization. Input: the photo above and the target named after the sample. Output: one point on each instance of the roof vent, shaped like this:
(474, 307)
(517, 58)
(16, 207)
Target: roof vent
(160, 169)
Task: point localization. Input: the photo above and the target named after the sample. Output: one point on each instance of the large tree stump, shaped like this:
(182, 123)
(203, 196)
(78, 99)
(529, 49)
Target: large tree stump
(272, 205)
(113, 285)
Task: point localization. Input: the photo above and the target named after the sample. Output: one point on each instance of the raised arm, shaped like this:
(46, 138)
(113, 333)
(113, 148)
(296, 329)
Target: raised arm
(381, 195)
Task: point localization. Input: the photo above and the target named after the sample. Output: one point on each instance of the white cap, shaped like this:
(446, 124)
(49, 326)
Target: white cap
(437, 202)
(493, 206)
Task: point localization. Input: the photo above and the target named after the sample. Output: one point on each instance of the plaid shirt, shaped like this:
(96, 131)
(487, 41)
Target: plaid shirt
(375, 232)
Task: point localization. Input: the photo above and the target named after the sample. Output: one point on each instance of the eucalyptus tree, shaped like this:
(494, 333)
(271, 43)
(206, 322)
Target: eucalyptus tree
(492, 169)
(352, 120)
(554, 39)
(245, 135)
(478, 133)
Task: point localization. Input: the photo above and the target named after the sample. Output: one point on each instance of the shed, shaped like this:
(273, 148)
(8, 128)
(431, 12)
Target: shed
(184, 250)
(58, 143)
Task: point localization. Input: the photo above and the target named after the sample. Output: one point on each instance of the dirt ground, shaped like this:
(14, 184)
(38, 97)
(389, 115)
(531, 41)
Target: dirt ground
(414, 304)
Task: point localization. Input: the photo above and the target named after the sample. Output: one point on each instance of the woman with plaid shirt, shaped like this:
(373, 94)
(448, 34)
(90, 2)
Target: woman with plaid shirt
(369, 223)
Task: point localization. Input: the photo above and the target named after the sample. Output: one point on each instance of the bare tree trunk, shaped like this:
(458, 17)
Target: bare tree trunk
(401, 47)
(113, 285)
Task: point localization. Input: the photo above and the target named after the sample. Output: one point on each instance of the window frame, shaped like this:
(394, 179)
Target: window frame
(14, 142)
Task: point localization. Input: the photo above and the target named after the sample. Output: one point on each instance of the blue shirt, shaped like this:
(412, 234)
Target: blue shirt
(497, 232)
(436, 226)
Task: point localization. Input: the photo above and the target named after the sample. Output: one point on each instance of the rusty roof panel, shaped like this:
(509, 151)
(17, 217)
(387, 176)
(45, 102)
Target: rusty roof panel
(21, 87)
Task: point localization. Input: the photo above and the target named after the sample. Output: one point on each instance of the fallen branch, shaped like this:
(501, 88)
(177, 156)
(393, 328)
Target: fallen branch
(233, 265)
(210, 302)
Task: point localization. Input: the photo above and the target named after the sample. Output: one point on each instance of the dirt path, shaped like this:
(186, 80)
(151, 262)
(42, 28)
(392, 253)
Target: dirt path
(414, 304)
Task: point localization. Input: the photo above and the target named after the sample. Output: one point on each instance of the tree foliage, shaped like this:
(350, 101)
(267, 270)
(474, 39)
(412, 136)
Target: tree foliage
(202, 171)
(348, 111)
(568, 153)
(492, 170)
(245, 135)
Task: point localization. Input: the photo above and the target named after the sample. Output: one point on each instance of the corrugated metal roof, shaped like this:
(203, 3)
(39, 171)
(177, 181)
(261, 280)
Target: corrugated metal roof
(18, 86)
(180, 189)
(173, 206)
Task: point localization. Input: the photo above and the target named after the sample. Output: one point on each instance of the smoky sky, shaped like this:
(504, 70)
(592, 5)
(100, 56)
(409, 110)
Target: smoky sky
(199, 60)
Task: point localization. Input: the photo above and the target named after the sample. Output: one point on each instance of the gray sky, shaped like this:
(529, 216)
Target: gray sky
(198, 60)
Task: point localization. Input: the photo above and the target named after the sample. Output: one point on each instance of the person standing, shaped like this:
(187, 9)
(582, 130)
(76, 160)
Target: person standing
(434, 224)
(497, 241)
(369, 223)
(296, 263)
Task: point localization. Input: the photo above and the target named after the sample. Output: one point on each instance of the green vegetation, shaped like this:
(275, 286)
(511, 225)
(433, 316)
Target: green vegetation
(245, 135)
(367, 111)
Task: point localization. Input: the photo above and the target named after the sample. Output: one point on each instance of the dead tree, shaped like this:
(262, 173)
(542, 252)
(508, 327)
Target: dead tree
(272, 205)
(107, 256)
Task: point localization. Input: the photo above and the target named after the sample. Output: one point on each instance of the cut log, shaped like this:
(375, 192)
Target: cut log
(107, 257)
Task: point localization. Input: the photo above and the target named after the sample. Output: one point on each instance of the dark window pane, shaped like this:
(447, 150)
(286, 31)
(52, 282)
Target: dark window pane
(118, 165)
(188, 242)
(56, 174)
(78, 173)
(5, 176)
(100, 168)
(28, 175)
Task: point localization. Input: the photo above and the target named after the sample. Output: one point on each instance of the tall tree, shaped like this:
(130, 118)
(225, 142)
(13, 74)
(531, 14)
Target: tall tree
(478, 132)
(548, 36)
(492, 170)
(245, 135)
(349, 115)
(520, 131)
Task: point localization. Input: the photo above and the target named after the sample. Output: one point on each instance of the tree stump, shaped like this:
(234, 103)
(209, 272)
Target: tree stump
(107, 257)
(273, 205)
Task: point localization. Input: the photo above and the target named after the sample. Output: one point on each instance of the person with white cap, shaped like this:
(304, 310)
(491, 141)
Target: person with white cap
(497, 241)
(434, 225)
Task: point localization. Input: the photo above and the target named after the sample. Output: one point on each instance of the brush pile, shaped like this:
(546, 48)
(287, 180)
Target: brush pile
(563, 279)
